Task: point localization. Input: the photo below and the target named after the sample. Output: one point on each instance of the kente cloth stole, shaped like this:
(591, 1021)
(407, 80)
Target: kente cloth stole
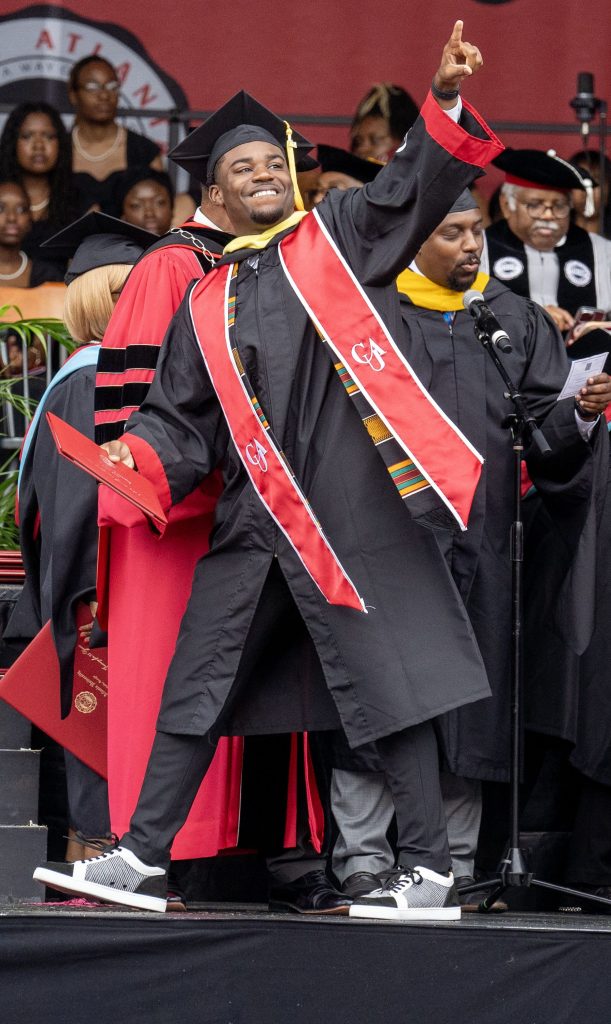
(395, 407)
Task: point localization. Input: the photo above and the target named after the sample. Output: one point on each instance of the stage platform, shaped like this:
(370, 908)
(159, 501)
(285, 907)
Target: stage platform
(239, 964)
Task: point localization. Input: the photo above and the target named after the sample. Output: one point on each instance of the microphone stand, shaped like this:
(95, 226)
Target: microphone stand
(586, 106)
(513, 871)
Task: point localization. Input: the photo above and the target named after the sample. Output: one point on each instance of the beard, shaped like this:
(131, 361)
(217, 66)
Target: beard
(268, 216)
(461, 278)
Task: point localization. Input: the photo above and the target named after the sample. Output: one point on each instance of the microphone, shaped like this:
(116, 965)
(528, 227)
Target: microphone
(585, 103)
(475, 304)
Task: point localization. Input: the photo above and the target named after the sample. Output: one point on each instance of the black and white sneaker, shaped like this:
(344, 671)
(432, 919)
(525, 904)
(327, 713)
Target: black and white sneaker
(116, 876)
(416, 894)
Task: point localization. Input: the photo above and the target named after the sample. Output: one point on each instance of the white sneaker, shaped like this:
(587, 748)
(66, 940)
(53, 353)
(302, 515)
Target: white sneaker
(116, 876)
(416, 894)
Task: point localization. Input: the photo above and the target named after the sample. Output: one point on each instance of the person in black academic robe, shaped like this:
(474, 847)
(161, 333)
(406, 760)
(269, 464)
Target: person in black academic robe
(440, 344)
(568, 695)
(414, 656)
(535, 249)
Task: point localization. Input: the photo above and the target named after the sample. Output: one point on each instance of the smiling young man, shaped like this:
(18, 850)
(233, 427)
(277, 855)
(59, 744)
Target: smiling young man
(265, 373)
(441, 346)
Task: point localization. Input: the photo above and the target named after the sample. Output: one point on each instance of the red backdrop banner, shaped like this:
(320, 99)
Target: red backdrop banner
(319, 57)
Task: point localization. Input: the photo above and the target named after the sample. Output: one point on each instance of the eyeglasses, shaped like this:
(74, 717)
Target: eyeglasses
(99, 86)
(537, 208)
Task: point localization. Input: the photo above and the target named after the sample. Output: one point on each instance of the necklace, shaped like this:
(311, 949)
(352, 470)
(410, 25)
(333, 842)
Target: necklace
(19, 271)
(36, 207)
(101, 156)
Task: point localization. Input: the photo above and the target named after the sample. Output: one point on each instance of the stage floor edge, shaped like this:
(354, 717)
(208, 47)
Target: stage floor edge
(239, 965)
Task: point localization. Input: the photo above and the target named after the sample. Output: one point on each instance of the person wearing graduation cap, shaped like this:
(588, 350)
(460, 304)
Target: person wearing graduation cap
(258, 375)
(57, 504)
(440, 345)
(536, 250)
(341, 169)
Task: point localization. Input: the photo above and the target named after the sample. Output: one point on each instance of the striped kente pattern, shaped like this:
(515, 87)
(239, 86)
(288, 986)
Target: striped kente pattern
(259, 412)
(405, 475)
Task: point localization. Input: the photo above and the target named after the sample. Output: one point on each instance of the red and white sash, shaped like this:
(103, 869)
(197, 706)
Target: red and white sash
(346, 319)
(343, 314)
(267, 468)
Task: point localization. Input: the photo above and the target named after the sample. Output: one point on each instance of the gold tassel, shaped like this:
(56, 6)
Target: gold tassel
(290, 152)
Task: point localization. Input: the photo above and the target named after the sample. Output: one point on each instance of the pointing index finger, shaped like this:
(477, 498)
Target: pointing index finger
(456, 37)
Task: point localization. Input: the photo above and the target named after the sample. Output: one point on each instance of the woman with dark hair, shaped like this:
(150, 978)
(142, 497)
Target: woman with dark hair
(145, 197)
(381, 121)
(101, 148)
(17, 269)
(35, 152)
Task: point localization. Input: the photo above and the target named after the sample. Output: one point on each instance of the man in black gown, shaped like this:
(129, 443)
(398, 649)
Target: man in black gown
(413, 656)
(441, 345)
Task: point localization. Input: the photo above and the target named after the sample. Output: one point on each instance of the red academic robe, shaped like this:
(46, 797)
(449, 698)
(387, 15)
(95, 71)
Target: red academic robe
(144, 582)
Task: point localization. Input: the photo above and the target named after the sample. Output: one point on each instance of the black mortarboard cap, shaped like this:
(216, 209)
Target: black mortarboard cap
(331, 158)
(97, 240)
(466, 201)
(242, 119)
(535, 168)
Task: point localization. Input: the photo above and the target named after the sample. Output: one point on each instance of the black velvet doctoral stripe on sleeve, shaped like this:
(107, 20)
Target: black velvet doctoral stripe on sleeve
(181, 417)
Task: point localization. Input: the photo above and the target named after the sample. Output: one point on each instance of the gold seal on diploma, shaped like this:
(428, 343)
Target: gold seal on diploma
(85, 702)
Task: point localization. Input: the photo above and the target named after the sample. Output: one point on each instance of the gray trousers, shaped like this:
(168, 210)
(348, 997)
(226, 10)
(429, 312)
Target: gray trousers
(363, 809)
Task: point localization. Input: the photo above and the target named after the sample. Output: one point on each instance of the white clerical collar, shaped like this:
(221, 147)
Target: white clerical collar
(200, 218)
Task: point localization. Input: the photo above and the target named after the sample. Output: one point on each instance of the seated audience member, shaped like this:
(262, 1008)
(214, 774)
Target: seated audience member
(17, 269)
(35, 151)
(382, 118)
(342, 170)
(588, 215)
(58, 504)
(535, 250)
(145, 197)
(102, 149)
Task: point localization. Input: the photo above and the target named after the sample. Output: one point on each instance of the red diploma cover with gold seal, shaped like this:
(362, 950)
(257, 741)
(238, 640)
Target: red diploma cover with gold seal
(31, 686)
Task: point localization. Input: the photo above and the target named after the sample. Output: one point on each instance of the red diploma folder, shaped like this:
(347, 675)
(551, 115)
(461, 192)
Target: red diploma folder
(31, 686)
(85, 454)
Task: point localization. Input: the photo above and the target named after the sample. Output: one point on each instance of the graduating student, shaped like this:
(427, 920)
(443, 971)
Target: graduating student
(535, 249)
(245, 357)
(57, 503)
(441, 346)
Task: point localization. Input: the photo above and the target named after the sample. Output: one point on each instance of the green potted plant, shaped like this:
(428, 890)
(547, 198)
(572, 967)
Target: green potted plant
(29, 333)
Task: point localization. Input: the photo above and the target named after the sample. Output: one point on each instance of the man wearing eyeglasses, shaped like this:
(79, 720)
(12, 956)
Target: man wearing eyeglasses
(536, 250)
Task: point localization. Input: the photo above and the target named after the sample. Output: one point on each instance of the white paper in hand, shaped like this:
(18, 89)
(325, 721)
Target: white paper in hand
(579, 373)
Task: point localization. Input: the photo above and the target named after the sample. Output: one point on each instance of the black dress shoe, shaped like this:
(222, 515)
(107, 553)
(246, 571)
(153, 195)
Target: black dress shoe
(361, 883)
(310, 894)
(470, 901)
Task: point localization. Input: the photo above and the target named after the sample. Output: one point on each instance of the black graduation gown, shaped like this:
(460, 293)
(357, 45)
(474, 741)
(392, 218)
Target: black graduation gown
(569, 693)
(462, 378)
(58, 529)
(414, 655)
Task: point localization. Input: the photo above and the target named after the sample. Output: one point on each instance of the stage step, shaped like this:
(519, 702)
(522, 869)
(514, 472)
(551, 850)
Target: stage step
(19, 775)
(15, 730)
(22, 848)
